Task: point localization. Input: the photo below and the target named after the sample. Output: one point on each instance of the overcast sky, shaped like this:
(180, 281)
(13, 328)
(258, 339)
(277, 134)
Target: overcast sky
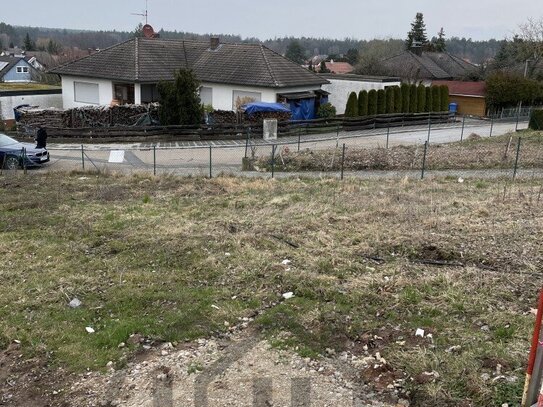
(361, 19)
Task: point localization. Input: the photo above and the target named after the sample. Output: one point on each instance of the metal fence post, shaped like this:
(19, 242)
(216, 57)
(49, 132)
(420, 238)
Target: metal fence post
(491, 124)
(463, 127)
(343, 162)
(82, 157)
(424, 160)
(388, 133)
(154, 159)
(247, 142)
(517, 159)
(429, 126)
(24, 160)
(273, 161)
(299, 138)
(210, 162)
(518, 119)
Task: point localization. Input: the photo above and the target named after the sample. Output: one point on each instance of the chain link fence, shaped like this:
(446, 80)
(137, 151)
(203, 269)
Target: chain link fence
(464, 147)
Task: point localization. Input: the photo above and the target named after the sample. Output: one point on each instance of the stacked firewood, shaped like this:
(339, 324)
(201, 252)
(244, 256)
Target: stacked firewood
(223, 117)
(259, 117)
(42, 118)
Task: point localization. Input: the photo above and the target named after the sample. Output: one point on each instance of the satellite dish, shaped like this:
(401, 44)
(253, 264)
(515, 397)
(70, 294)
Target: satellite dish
(148, 31)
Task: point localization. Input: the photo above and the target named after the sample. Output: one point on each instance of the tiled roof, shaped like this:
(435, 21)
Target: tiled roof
(428, 65)
(6, 63)
(152, 60)
(339, 67)
(464, 88)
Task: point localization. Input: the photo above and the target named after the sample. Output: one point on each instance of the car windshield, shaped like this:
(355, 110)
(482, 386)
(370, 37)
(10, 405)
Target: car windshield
(6, 141)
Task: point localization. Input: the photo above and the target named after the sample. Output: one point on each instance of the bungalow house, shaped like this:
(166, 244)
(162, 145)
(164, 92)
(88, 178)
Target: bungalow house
(469, 96)
(417, 65)
(15, 69)
(228, 74)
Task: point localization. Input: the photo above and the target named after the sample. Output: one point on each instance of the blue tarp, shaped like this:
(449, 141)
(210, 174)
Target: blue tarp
(303, 109)
(256, 107)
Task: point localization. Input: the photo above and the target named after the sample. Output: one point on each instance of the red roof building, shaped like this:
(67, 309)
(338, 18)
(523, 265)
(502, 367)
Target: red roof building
(339, 67)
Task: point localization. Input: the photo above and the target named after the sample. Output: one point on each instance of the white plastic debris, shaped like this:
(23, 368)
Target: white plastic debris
(214, 306)
(75, 303)
(227, 254)
(420, 332)
(288, 296)
(83, 178)
(89, 330)
(460, 180)
(286, 262)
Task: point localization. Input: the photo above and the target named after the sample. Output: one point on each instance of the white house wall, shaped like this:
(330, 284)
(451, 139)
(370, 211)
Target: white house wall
(341, 89)
(105, 91)
(7, 103)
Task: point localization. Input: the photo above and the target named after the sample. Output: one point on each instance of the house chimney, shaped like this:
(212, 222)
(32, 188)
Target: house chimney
(416, 48)
(214, 43)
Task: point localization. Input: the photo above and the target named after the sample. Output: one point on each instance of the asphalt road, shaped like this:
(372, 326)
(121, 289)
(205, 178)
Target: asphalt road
(226, 156)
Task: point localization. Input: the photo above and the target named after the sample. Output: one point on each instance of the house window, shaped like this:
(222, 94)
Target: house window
(206, 95)
(241, 97)
(86, 92)
(22, 69)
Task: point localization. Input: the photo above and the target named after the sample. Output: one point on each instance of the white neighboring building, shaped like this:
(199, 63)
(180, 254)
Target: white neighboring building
(341, 86)
(130, 71)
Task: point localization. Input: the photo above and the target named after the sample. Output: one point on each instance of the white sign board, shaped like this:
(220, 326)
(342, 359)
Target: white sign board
(116, 156)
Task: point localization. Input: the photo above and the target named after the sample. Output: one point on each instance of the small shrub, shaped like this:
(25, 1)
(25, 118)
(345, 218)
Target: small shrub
(381, 102)
(389, 96)
(421, 98)
(363, 103)
(405, 98)
(429, 100)
(326, 111)
(372, 102)
(536, 120)
(351, 110)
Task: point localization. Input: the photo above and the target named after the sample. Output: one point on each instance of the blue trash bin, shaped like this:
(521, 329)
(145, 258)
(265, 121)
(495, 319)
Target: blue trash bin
(453, 107)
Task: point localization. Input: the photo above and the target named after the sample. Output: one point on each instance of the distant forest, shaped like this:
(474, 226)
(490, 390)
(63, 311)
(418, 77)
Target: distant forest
(52, 38)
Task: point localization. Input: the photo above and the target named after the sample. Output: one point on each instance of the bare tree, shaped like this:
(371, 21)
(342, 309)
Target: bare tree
(531, 34)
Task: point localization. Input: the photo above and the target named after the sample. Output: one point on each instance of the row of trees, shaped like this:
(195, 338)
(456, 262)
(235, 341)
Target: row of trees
(396, 99)
(505, 89)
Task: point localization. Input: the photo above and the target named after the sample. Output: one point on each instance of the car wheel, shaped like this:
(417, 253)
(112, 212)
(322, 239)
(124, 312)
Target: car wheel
(11, 163)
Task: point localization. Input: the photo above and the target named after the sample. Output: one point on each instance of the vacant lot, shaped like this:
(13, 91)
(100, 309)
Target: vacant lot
(175, 259)
(472, 154)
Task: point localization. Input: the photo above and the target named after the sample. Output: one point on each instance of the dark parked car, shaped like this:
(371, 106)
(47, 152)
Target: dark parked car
(15, 155)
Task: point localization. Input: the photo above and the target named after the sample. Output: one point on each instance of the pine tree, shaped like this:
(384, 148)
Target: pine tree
(179, 100)
(417, 33)
(413, 99)
(372, 102)
(397, 99)
(421, 98)
(389, 100)
(363, 103)
(439, 43)
(29, 45)
(381, 102)
(295, 52)
(323, 68)
(405, 98)
(351, 110)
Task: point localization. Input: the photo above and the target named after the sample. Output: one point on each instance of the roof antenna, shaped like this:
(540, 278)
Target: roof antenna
(142, 14)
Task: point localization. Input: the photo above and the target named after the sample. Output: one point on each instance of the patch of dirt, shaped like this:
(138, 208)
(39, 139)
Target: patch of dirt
(30, 382)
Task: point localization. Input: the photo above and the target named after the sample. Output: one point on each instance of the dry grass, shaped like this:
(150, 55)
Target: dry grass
(148, 255)
(472, 154)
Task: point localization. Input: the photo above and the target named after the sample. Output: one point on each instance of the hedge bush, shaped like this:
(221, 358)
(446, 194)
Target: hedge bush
(536, 120)
(381, 102)
(429, 100)
(436, 98)
(372, 102)
(444, 98)
(405, 98)
(389, 96)
(421, 98)
(413, 108)
(326, 111)
(363, 103)
(397, 99)
(351, 110)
